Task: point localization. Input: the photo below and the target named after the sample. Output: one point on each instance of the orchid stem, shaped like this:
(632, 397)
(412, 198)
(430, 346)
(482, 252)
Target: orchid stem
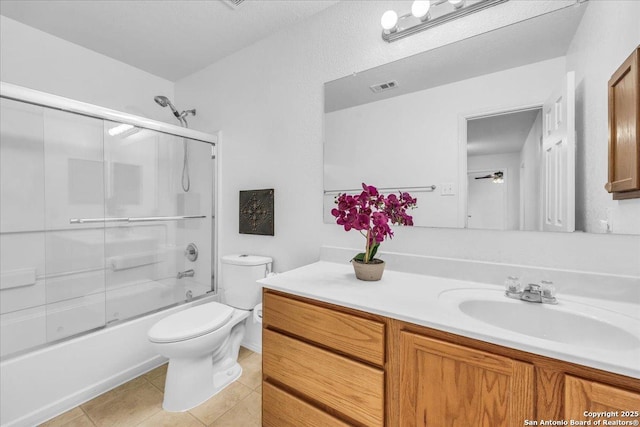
(366, 247)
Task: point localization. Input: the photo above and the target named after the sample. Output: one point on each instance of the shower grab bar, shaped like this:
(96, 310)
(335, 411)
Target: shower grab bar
(166, 218)
(139, 219)
(94, 220)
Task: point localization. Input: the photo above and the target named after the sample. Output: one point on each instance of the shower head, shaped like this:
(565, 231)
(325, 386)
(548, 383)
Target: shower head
(163, 101)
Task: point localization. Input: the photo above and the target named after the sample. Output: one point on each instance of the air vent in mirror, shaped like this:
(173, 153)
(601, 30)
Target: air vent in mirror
(381, 87)
(233, 3)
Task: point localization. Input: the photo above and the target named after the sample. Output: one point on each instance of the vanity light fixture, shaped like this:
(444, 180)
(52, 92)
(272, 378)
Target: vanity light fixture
(421, 10)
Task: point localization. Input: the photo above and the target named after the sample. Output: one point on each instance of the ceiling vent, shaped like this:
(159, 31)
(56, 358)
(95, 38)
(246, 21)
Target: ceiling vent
(384, 86)
(233, 3)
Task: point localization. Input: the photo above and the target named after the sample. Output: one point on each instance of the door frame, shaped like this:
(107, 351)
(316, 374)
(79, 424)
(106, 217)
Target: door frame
(463, 118)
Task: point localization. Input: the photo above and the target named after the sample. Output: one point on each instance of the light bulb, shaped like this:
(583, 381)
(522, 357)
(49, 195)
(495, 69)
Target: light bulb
(420, 9)
(457, 3)
(389, 21)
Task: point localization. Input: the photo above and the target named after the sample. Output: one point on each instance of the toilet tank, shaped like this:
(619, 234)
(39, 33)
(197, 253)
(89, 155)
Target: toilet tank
(238, 279)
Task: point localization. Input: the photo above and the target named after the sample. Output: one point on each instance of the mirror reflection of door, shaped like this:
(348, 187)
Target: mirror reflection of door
(504, 176)
(559, 151)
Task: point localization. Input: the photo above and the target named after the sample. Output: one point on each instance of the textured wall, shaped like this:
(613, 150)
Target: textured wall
(268, 102)
(37, 60)
(596, 34)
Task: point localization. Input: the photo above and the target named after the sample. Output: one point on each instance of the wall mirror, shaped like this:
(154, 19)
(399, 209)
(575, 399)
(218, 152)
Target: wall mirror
(481, 130)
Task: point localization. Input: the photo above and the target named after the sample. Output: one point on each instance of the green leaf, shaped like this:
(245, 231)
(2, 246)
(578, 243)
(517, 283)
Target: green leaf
(359, 257)
(374, 250)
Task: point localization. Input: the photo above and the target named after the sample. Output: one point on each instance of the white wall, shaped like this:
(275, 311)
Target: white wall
(268, 102)
(40, 61)
(613, 30)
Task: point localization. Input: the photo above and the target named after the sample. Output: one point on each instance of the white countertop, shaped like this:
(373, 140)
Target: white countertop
(425, 300)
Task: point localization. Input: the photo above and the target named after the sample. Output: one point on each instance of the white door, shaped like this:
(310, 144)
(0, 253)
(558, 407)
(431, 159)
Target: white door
(486, 202)
(559, 158)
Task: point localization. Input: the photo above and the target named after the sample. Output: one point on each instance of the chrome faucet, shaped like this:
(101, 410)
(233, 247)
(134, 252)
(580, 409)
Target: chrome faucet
(544, 293)
(186, 273)
(532, 293)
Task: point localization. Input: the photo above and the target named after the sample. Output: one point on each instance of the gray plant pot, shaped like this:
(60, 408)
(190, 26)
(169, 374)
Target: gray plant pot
(369, 272)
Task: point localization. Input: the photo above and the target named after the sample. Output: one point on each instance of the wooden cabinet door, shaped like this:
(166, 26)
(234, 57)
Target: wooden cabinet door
(582, 396)
(624, 129)
(448, 385)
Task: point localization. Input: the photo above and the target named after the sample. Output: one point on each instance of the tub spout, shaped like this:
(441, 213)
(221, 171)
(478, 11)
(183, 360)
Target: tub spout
(186, 273)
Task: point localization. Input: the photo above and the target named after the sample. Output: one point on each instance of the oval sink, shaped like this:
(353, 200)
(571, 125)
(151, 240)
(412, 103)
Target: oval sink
(567, 323)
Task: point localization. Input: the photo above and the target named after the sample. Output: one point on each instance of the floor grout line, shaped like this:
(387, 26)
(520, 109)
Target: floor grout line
(86, 415)
(152, 415)
(90, 419)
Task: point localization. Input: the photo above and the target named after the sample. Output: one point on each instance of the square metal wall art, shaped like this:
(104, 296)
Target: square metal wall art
(256, 212)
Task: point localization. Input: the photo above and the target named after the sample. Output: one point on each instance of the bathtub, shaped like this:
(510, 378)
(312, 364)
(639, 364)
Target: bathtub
(41, 384)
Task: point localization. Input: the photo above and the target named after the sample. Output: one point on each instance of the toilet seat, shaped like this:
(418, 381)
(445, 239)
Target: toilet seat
(191, 323)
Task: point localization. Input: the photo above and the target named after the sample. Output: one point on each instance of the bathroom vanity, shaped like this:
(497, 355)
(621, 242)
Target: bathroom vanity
(337, 351)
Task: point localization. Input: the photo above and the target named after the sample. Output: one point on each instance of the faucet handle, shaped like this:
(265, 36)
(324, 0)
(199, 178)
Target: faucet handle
(513, 287)
(548, 291)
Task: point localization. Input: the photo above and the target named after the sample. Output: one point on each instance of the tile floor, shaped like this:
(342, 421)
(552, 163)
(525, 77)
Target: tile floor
(139, 403)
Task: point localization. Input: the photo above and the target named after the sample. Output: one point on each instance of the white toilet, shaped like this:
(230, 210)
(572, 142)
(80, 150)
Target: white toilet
(202, 342)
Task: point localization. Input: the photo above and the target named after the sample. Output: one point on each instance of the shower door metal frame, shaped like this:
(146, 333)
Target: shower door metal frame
(30, 96)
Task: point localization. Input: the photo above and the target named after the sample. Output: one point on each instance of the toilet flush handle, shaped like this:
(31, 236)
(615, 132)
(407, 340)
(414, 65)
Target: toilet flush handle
(267, 269)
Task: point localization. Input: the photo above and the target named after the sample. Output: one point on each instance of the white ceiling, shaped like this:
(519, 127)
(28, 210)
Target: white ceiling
(168, 38)
(501, 134)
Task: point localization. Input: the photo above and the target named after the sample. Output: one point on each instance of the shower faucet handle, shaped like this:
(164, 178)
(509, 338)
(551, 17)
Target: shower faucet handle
(191, 252)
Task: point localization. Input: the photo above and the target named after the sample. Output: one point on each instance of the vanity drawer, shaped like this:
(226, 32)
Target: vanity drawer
(346, 333)
(282, 409)
(351, 388)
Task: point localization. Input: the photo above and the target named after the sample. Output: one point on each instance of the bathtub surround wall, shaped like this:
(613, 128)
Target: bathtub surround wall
(56, 166)
(40, 61)
(276, 85)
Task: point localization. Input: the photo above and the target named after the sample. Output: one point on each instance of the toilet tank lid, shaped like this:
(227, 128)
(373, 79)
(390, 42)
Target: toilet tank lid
(242, 259)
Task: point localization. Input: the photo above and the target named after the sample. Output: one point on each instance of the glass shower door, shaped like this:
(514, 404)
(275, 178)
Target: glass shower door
(73, 188)
(157, 234)
(22, 225)
(52, 270)
(99, 222)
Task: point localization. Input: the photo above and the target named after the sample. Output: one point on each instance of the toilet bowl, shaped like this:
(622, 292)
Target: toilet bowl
(202, 342)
